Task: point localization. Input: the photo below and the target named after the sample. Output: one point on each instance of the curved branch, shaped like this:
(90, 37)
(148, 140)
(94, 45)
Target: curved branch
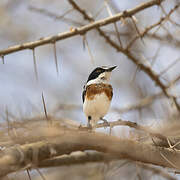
(77, 158)
(86, 157)
(65, 142)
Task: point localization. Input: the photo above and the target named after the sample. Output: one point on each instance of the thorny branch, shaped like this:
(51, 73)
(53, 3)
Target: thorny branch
(133, 125)
(97, 24)
(44, 138)
(81, 30)
(28, 125)
(49, 147)
(67, 141)
(144, 33)
(147, 69)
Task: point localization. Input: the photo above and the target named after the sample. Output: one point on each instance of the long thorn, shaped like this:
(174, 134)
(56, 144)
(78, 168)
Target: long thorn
(35, 65)
(44, 106)
(27, 170)
(40, 173)
(7, 119)
(55, 57)
(89, 50)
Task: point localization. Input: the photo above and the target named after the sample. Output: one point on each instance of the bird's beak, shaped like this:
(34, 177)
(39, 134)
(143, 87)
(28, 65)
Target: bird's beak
(111, 68)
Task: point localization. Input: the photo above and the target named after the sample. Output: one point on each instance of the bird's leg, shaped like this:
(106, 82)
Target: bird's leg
(105, 121)
(89, 124)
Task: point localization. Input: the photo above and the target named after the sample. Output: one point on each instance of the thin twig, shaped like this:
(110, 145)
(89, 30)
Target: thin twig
(168, 17)
(169, 40)
(154, 58)
(170, 66)
(137, 30)
(55, 16)
(121, 122)
(98, 12)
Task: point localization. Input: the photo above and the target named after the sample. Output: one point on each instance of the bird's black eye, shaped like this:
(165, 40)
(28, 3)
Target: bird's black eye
(103, 78)
(98, 71)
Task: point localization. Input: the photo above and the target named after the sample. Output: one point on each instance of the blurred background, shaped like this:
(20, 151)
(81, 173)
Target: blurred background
(20, 90)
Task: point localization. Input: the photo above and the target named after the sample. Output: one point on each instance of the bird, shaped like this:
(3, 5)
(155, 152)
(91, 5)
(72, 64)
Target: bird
(97, 95)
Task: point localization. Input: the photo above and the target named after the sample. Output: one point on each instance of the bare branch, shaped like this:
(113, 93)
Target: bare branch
(55, 16)
(126, 51)
(81, 30)
(152, 26)
(121, 122)
(65, 142)
(77, 158)
(169, 66)
(115, 24)
(168, 39)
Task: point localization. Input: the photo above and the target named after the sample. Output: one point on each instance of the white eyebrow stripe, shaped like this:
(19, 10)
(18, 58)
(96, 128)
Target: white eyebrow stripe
(104, 67)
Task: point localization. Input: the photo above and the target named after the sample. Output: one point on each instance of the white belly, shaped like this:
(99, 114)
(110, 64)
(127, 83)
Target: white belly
(96, 108)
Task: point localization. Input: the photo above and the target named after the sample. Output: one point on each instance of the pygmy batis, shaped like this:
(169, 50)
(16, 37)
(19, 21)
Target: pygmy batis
(97, 95)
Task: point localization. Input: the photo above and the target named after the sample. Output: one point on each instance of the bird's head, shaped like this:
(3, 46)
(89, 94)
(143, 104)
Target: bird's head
(100, 75)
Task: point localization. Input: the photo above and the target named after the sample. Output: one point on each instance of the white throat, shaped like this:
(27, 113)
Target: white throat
(97, 81)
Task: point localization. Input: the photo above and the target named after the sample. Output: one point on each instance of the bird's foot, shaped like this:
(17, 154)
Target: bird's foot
(105, 122)
(85, 128)
(89, 126)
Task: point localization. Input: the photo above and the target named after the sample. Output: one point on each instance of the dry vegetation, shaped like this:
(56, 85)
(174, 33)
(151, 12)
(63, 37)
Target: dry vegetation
(47, 145)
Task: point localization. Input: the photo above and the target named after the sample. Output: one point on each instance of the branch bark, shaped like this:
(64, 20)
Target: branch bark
(65, 142)
(81, 30)
(77, 158)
